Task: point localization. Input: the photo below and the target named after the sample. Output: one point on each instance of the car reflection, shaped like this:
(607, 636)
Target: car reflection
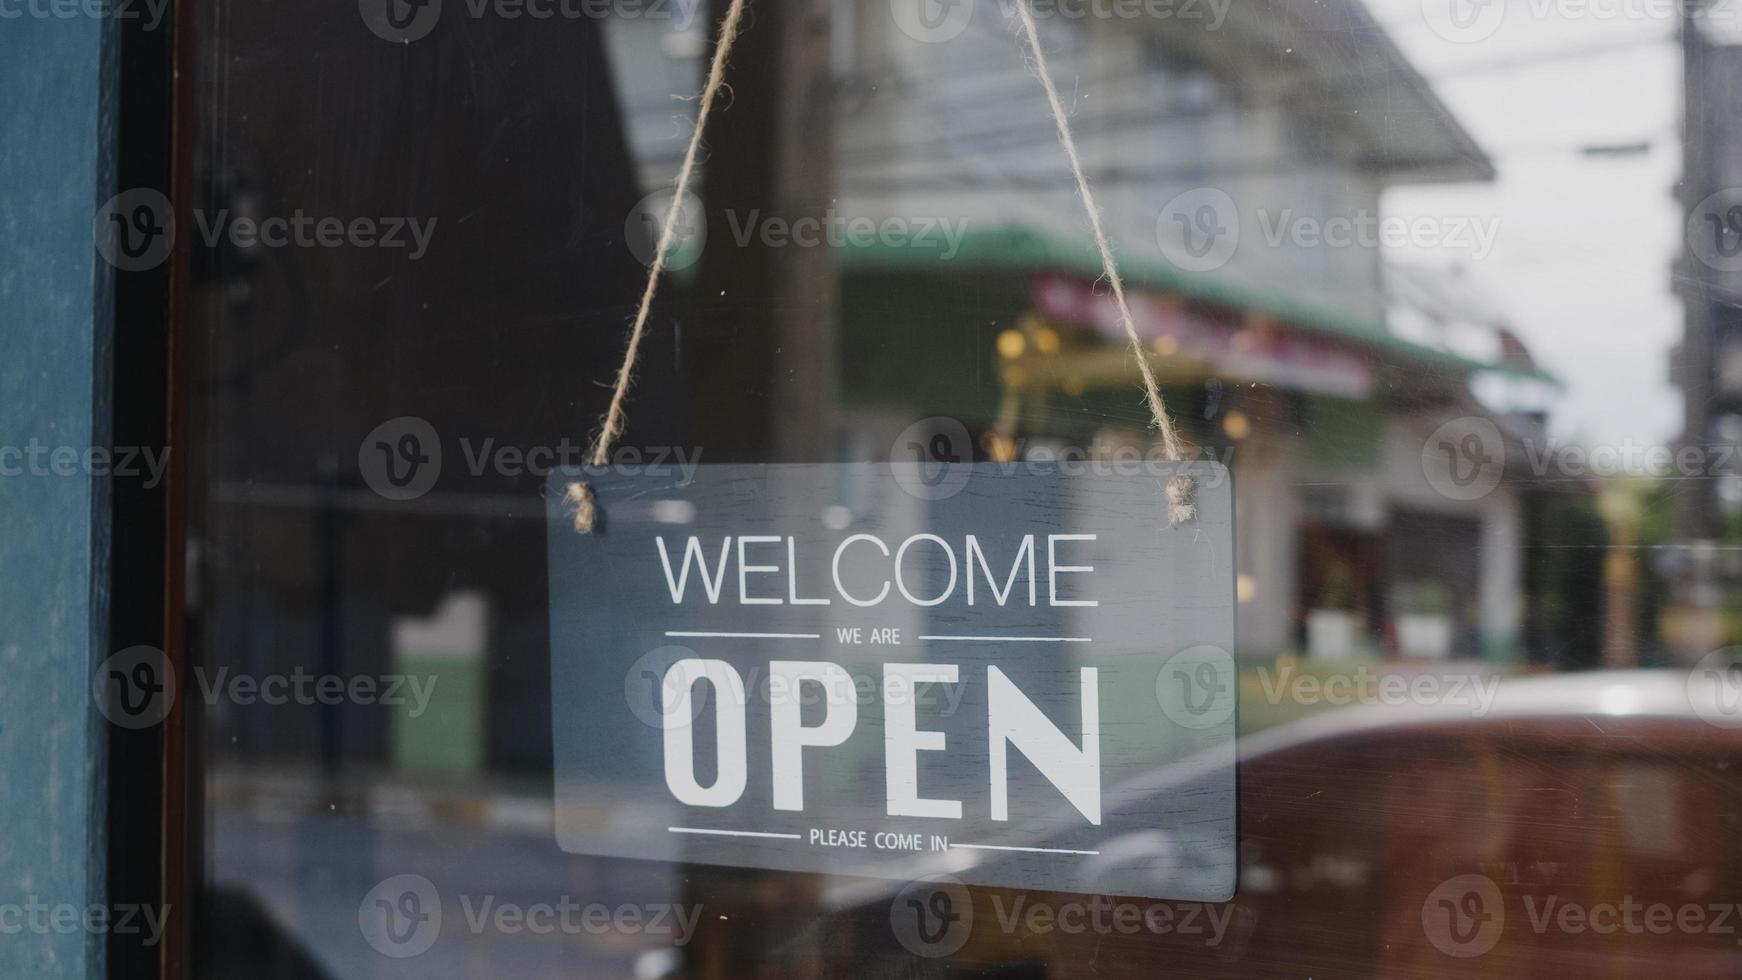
(1581, 825)
(1578, 825)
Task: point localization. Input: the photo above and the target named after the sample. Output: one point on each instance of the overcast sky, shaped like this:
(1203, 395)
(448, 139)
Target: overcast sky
(1582, 262)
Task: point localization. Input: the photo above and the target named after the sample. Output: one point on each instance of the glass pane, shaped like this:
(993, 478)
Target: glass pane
(1448, 288)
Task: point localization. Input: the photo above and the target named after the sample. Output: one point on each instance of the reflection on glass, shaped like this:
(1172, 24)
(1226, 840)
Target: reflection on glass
(1449, 288)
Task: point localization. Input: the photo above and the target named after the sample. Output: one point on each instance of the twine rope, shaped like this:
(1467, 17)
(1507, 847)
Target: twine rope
(1181, 490)
(579, 495)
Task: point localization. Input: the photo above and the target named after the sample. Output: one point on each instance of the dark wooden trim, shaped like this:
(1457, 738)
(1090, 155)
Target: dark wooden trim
(146, 785)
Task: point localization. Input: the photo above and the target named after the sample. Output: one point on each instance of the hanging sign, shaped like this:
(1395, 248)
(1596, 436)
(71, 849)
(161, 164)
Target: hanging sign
(1016, 673)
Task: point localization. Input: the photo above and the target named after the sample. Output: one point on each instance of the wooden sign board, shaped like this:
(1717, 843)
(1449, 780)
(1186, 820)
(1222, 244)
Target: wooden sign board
(1019, 674)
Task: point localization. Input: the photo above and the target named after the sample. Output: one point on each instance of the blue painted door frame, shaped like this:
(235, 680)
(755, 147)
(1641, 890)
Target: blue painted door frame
(57, 147)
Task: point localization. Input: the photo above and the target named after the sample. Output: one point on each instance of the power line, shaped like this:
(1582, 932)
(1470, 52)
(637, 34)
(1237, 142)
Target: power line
(1516, 63)
(1120, 121)
(1008, 137)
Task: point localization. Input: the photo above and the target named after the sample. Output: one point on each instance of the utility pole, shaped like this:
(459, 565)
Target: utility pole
(761, 344)
(1697, 570)
(759, 353)
(1702, 126)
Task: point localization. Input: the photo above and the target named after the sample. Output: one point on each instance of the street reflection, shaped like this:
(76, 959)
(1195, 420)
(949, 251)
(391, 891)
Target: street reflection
(1448, 288)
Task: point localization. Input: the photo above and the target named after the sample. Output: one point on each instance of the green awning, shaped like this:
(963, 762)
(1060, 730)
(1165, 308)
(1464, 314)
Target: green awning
(1016, 249)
